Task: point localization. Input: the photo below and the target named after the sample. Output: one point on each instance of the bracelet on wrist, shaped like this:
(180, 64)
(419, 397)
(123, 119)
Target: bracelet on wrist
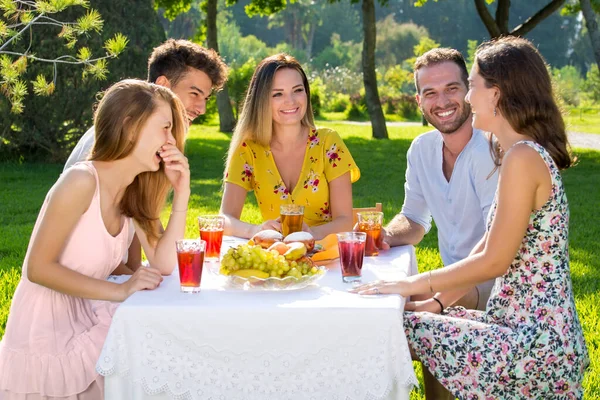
(441, 305)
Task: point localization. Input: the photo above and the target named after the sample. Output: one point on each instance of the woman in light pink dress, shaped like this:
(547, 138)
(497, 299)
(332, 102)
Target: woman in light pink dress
(63, 304)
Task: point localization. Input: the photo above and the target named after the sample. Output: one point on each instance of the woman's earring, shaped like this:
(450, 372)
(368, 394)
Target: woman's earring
(495, 113)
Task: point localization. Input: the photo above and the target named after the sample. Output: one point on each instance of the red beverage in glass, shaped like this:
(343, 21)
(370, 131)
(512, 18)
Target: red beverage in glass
(211, 231)
(374, 239)
(352, 253)
(213, 239)
(190, 269)
(190, 259)
(370, 223)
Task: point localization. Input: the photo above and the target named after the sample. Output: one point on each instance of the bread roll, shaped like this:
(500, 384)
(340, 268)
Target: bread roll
(303, 237)
(266, 238)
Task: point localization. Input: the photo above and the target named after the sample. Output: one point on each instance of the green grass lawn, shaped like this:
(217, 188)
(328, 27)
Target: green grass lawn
(382, 166)
(583, 120)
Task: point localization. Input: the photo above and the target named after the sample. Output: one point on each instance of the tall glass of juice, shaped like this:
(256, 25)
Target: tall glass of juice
(292, 216)
(352, 253)
(190, 258)
(211, 231)
(370, 223)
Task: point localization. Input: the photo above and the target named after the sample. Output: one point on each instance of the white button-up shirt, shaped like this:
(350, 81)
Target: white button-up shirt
(459, 207)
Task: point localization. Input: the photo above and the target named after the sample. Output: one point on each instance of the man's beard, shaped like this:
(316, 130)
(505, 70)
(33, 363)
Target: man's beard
(454, 126)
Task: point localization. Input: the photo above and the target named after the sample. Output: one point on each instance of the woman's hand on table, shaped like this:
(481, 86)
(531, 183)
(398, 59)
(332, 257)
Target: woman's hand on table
(143, 278)
(400, 287)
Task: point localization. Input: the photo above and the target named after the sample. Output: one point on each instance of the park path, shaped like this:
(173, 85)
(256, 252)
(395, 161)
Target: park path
(577, 139)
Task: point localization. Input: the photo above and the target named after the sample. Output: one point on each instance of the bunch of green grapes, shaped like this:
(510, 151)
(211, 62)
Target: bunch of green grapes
(254, 257)
(271, 262)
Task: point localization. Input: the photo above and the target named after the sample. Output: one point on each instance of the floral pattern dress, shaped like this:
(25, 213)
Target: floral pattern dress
(528, 344)
(326, 158)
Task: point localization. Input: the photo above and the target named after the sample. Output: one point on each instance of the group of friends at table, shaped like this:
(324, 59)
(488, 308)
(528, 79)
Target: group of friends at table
(497, 321)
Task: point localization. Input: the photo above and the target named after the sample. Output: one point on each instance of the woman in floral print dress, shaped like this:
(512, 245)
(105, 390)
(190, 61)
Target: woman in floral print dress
(528, 344)
(277, 152)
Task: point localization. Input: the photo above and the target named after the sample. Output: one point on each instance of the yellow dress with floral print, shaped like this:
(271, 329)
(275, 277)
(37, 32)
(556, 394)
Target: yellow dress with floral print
(327, 158)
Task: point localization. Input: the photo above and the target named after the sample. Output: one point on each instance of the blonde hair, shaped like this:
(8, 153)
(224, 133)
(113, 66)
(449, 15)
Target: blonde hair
(121, 114)
(256, 120)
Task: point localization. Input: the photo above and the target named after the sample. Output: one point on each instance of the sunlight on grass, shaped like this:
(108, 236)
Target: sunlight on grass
(382, 164)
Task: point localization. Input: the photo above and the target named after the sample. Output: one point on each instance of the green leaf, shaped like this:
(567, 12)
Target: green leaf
(116, 45)
(41, 87)
(26, 17)
(9, 7)
(91, 21)
(84, 54)
(97, 70)
(3, 29)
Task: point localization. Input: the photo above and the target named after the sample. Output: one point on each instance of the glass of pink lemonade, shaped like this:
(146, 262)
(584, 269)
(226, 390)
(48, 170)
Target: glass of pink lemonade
(352, 253)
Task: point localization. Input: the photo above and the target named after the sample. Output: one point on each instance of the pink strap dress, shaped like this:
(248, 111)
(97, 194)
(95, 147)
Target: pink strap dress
(53, 340)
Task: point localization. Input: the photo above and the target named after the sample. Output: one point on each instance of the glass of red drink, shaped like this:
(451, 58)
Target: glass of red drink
(211, 231)
(370, 223)
(352, 253)
(292, 216)
(190, 258)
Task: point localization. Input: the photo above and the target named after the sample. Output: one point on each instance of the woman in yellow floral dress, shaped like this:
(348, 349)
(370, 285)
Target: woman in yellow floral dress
(277, 152)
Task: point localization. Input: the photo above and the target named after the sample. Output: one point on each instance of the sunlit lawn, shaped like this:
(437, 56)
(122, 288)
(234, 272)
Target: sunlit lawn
(583, 120)
(382, 165)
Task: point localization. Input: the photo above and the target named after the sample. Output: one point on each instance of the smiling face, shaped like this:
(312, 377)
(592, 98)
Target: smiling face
(442, 96)
(482, 100)
(288, 97)
(194, 90)
(155, 133)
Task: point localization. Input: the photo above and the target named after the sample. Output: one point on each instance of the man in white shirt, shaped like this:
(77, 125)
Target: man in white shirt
(192, 73)
(450, 177)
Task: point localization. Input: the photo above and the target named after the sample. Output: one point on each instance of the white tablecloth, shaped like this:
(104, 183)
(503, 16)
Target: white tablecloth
(315, 343)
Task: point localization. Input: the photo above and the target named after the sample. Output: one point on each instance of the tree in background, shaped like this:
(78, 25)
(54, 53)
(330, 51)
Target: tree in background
(589, 9)
(299, 20)
(554, 35)
(256, 7)
(373, 101)
(20, 19)
(497, 25)
(47, 130)
(395, 41)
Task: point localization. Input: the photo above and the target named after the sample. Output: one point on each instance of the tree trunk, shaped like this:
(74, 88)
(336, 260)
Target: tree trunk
(226, 118)
(369, 76)
(499, 26)
(592, 26)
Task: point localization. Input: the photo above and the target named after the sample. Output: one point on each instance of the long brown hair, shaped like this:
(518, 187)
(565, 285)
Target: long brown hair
(256, 120)
(519, 71)
(121, 114)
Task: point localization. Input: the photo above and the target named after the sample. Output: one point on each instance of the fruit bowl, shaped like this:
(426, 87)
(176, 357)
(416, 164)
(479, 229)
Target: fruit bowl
(273, 283)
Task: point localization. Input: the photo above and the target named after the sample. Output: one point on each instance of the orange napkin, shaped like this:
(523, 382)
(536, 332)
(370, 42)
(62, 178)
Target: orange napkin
(330, 249)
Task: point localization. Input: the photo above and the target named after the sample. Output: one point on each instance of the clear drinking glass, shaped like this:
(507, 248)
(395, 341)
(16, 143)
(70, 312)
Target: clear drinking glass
(352, 253)
(370, 223)
(211, 231)
(292, 216)
(190, 258)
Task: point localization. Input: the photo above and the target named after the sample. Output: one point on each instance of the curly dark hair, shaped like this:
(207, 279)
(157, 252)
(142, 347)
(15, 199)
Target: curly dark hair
(174, 57)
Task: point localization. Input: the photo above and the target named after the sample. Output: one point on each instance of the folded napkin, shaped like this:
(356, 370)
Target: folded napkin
(330, 249)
